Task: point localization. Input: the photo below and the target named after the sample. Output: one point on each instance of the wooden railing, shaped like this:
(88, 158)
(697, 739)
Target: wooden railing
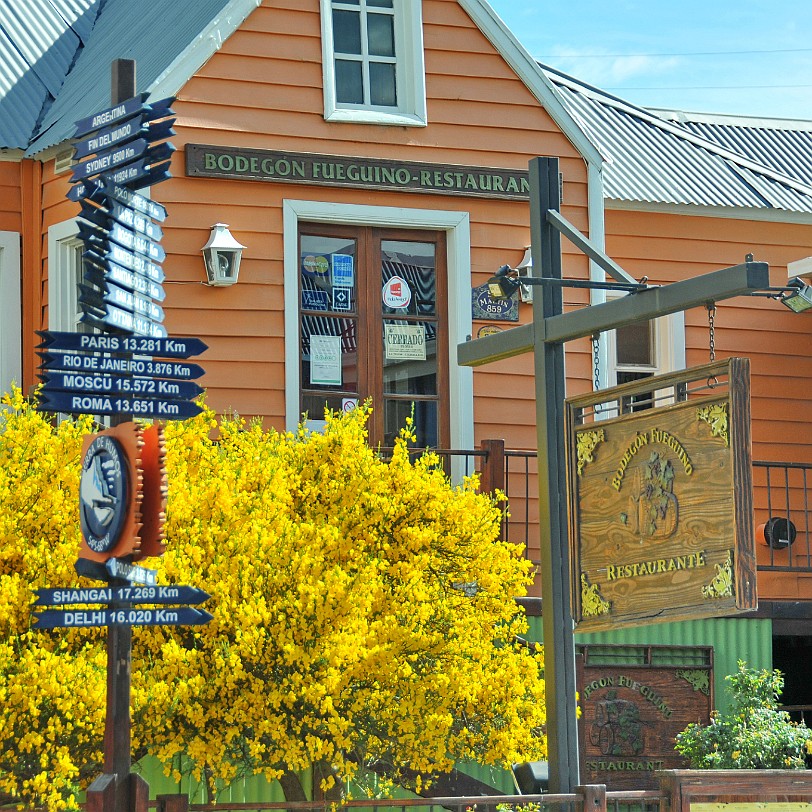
(589, 798)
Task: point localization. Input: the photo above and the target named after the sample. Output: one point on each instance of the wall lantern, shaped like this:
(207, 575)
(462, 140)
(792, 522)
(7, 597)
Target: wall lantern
(797, 296)
(777, 532)
(222, 254)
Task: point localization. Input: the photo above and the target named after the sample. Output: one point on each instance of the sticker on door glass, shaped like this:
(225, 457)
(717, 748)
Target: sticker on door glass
(325, 360)
(397, 293)
(315, 300)
(342, 300)
(343, 272)
(315, 267)
(405, 342)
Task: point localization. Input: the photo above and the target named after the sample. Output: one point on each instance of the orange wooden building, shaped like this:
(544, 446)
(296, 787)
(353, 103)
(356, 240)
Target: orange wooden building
(372, 158)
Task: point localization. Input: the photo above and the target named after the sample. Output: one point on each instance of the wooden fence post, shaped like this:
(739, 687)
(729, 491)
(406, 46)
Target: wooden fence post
(172, 803)
(493, 466)
(594, 796)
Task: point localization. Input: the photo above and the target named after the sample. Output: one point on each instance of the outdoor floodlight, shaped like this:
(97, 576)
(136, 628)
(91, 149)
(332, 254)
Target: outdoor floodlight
(798, 295)
(504, 283)
(222, 254)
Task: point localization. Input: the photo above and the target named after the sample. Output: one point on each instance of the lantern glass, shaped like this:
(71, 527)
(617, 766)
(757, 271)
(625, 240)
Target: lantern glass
(222, 255)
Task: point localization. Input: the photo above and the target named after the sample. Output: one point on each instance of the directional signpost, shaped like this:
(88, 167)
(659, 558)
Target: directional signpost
(131, 367)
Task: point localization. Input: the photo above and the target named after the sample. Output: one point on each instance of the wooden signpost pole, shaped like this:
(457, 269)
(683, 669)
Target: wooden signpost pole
(545, 337)
(118, 722)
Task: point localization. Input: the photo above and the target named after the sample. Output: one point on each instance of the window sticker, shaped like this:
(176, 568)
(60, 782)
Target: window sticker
(325, 360)
(342, 300)
(396, 293)
(315, 300)
(405, 342)
(343, 271)
(315, 267)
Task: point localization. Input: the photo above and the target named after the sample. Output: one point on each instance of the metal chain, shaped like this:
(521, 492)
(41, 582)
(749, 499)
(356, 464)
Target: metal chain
(596, 345)
(712, 331)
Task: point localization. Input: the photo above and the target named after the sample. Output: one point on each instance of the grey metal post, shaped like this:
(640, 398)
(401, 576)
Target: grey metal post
(559, 641)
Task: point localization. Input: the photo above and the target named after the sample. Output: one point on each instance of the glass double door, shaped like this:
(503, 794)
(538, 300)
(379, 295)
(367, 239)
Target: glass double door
(373, 324)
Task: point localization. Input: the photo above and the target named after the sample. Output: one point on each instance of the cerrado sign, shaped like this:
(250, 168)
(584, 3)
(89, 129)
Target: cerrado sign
(204, 160)
(661, 498)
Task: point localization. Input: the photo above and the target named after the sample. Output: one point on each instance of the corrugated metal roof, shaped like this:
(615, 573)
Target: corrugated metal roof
(650, 160)
(785, 146)
(39, 40)
(152, 32)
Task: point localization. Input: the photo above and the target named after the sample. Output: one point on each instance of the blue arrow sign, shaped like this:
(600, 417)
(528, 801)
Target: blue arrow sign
(66, 596)
(118, 112)
(160, 108)
(111, 137)
(161, 347)
(141, 173)
(127, 300)
(139, 203)
(118, 568)
(98, 271)
(89, 383)
(122, 132)
(98, 362)
(117, 213)
(102, 193)
(100, 239)
(134, 262)
(124, 279)
(137, 222)
(107, 161)
(175, 616)
(75, 403)
(135, 242)
(123, 320)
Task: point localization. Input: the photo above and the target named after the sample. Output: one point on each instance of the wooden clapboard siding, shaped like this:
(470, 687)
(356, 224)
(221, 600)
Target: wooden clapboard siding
(263, 89)
(10, 196)
(669, 247)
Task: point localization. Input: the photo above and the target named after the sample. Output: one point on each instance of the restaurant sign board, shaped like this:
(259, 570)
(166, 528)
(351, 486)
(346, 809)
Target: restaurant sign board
(661, 515)
(241, 163)
(634, 700)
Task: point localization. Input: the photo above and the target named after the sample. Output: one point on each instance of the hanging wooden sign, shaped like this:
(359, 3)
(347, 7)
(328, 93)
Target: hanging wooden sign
(661, 515)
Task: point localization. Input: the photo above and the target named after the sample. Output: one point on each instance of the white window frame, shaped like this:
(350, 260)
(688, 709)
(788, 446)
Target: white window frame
(668, 335)
(11, 329)
(64, 275)
(410, 71)
(456, 225)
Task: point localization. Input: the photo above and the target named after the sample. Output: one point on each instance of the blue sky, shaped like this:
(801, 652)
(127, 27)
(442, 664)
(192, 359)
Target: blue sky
(749, 57)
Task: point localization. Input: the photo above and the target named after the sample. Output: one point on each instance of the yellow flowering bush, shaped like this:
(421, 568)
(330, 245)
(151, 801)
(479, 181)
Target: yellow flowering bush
(363, 609)
(52, 683)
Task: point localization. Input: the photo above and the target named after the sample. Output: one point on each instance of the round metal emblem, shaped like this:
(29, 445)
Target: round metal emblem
(103, 494)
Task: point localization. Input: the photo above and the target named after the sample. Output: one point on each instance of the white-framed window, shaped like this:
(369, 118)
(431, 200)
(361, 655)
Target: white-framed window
(372, 61)
(643, 350)
(64, 277)
(10, 311)
(456, 226)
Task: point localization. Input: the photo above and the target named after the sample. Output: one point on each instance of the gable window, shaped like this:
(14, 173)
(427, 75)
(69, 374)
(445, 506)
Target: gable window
(373, 61)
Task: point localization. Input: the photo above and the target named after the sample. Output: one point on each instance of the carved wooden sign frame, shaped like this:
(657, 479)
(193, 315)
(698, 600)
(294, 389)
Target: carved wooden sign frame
(661, 505)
